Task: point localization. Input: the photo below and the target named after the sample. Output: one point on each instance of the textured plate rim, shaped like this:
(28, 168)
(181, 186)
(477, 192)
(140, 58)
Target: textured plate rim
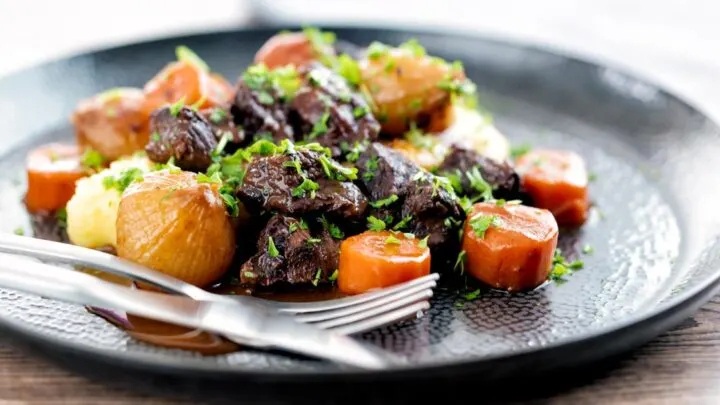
(666, 314)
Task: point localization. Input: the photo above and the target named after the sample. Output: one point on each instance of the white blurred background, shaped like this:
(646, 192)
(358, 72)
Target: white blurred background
(673, 42)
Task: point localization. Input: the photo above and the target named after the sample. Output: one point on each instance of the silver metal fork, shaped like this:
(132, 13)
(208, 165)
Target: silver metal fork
(347, 315)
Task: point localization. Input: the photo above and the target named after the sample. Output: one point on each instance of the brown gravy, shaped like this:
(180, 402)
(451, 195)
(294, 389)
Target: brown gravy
(179, 337)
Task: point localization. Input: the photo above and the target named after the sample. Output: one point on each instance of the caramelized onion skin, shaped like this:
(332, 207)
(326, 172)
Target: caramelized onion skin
(114, 122)
(405, 88)
(171, 223)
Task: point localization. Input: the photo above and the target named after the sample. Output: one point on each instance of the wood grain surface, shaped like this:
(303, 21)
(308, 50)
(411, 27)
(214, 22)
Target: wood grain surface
(679, 367)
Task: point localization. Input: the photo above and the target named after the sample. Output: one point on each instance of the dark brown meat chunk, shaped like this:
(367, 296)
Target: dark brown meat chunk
(384, 172)
(50, 225)
(186, 136)
(326, 110)
(297, 184)
(260, 113)
(294, 256)
(223, 125)
(418, 201)
(460, 164)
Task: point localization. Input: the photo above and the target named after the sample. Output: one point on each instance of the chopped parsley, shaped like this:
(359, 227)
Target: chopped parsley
(418, 139)
(403, 223)
(472, 295)
(371, 165)
(321, 126)
(592, 177)
(587, 249)
(222, 144)
(423, 244)
(460, 262)
(318, 275)
(282, 81)
(481, 223)
(389, 65)
(391, 240)
(561, 267)
(271, 248)
(185, 54)
(519, 150)
(377, 49)
(313, 241)
(333, 276)
(249, 274)
(307, 186)
(335, 171)
(217, 115)
(204, 178)
(375, 224)
(295, 164)
(177, 106)
(19, 231)
(123, 180)
(479, 184)
(332, 229)
(360, 111)
(348, 68)
(302, 225)
(92, 159)
(61, 217)
(414, 47)
(385, 201)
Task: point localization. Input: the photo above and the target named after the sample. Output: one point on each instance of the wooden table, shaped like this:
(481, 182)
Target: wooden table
(679, 367)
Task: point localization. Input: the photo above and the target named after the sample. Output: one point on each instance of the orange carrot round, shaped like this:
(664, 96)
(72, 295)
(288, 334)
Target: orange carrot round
(52, 170)
(292, 48)
(510, 247)
(378, 259)
(556, 180)
(184, 80)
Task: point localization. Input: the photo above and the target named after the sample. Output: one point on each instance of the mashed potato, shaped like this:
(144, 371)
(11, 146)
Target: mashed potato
(92, 211)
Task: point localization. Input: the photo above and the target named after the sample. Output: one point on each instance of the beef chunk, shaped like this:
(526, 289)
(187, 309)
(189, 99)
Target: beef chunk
(462, 167)
(223, 125)
(289, 253)
(260, 107)
(329, 112)
(384, 172)
(419, 202)
(301, 182)
(182, 134)
(50, 225)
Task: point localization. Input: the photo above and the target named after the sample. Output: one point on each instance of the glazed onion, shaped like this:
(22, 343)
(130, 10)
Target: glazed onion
(171, 223)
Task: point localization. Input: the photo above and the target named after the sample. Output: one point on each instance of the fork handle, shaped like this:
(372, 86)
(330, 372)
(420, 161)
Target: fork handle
(72, 254)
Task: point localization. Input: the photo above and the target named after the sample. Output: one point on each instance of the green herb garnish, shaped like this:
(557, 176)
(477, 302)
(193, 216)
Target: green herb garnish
(519, 150)
(204, 178)
(123, 180)
(423, 242)
(587, 249)
(307, 186)
(177, 106)
(318, 275)
(92, 159)
(375, 224)
(332, 229)
(333, 276)
(403, 223)
(185, 54)
(271, 248)
(460, 262)
(391, 240)
(384, 202)
(481, 223)
(19, 231)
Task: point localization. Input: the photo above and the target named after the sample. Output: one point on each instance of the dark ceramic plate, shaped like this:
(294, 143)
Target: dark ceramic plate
(654, 225)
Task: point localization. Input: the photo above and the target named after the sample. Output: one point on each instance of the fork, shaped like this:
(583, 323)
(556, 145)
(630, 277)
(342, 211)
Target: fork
(347, 315)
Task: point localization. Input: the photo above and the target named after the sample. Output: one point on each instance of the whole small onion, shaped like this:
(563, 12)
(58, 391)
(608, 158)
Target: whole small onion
(171, 223)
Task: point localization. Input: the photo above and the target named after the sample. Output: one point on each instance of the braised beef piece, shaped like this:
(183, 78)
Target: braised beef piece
(384, 172)
(184, 135)
(224, 126)
(420, 202)
(460, 163)
(289, 252)
(259, 110)
(297, 183)
(326, 110)
(49, 225)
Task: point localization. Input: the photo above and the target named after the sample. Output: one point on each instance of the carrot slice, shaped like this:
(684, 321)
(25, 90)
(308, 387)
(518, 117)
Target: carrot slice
(378, 259)
(292, 48)
(556, 180)
(509, 247)
(184, 80)
(52, 170)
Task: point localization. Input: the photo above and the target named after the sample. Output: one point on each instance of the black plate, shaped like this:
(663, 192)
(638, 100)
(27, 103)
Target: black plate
(654, 227)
